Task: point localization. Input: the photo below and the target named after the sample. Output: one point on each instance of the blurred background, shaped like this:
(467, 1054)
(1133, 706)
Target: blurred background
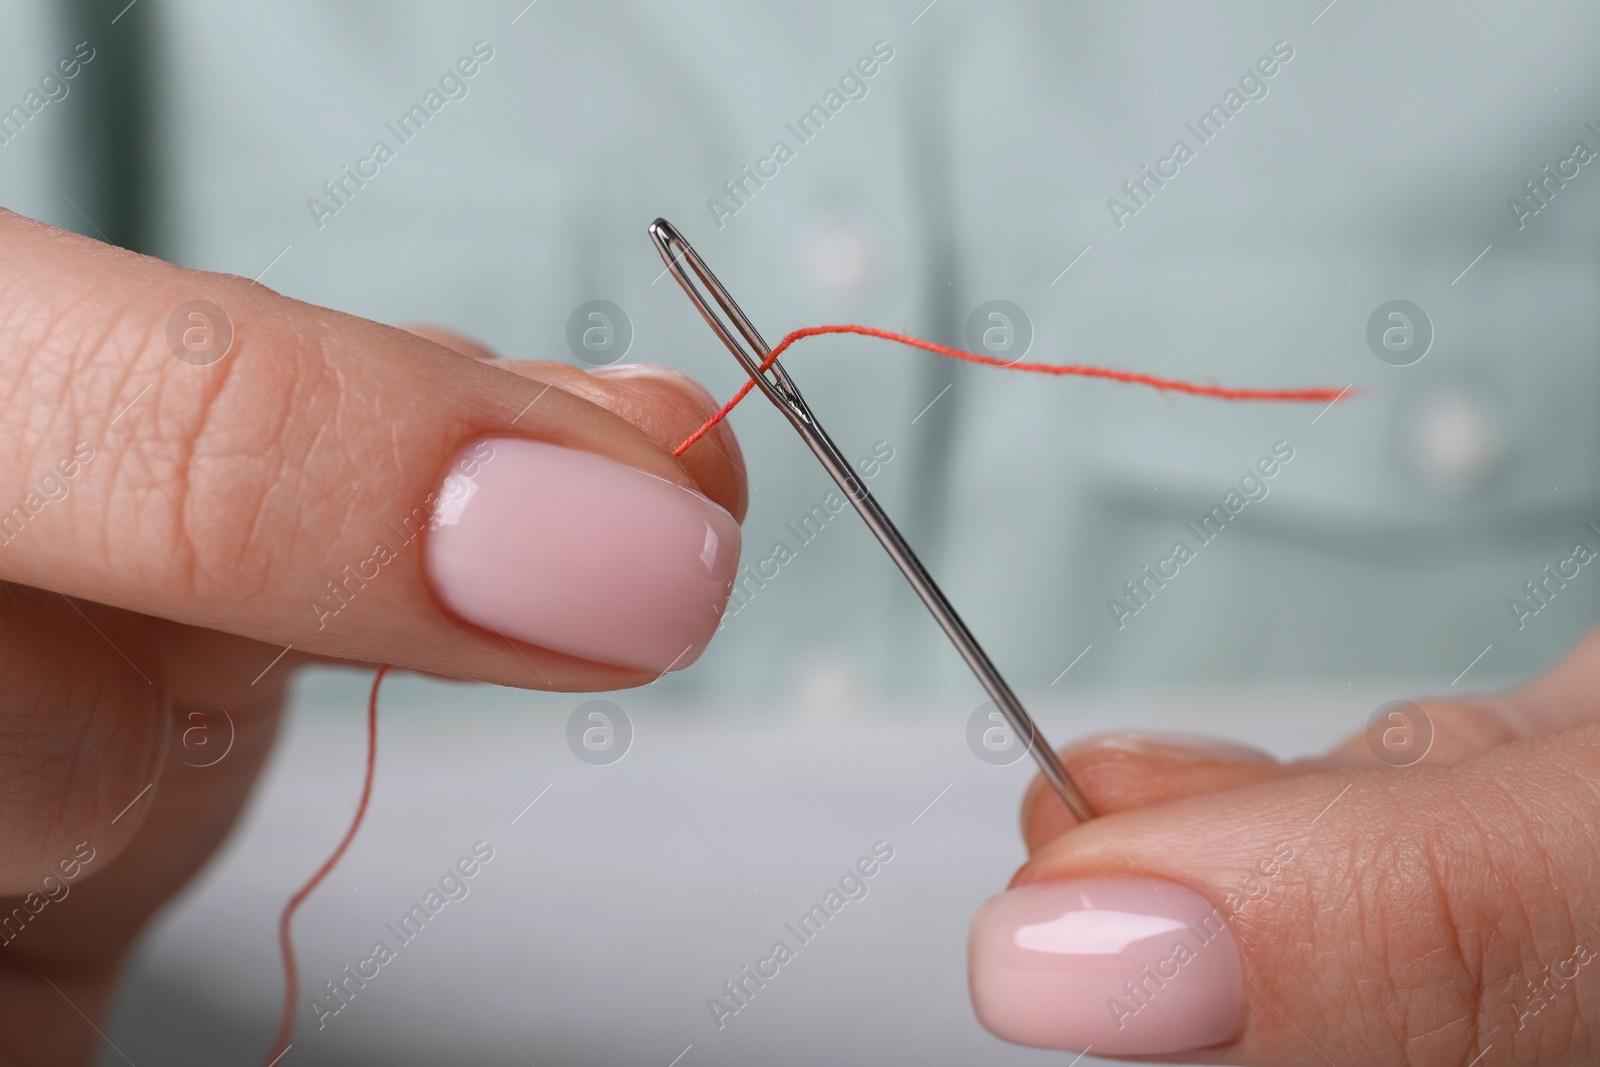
(975, 173)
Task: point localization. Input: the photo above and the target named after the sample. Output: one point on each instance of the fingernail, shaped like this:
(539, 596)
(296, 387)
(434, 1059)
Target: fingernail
(1178, 747)
(1122, 965)
(577, 553)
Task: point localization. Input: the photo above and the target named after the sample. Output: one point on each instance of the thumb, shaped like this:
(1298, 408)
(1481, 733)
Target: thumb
(195, 447)
(1430, 915)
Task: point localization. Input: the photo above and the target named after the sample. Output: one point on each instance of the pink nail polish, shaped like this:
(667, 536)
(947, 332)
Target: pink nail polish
(1119, 965)
(577, 553)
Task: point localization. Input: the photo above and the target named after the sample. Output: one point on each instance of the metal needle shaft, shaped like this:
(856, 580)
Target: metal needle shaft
(747, 345)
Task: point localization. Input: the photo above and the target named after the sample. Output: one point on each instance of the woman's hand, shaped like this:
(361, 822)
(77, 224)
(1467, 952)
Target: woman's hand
(1232, 909)
(179, 509)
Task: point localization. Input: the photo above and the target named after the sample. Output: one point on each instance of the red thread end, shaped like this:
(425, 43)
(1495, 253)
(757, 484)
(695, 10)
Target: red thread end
(291, 976)
(1175, 385)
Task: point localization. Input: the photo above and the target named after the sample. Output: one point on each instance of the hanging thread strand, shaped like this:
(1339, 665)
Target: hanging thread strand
(1175, 385)
(291, 975)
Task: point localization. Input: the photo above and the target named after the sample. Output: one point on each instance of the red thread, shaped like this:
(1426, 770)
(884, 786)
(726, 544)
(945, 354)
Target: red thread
(1317, 395)
(291, 976)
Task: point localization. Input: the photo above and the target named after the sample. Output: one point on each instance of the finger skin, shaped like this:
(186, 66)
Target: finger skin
(83, 728)
(665, 403)
(1562, 697)
(228, 496)
(668, 406)
(65, 959)
(1419, 910)
(448, 338)
(1120, 772)
(1123, 771)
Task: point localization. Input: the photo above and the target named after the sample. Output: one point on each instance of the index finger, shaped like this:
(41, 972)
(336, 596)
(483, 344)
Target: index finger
(196, 447)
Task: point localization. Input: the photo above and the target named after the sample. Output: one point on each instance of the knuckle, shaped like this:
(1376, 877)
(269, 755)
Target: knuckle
(206, 461)
(1388, 960)
(1540, 936)
(1465, 931)
(238, 476)
(210, 466)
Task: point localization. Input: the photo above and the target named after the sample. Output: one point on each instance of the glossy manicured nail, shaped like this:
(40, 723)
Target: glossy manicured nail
(1178, 747)
(577, 553)
(1122, 965)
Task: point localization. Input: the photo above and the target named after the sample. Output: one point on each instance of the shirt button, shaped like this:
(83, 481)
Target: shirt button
(1447, 444)
(837, 259)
